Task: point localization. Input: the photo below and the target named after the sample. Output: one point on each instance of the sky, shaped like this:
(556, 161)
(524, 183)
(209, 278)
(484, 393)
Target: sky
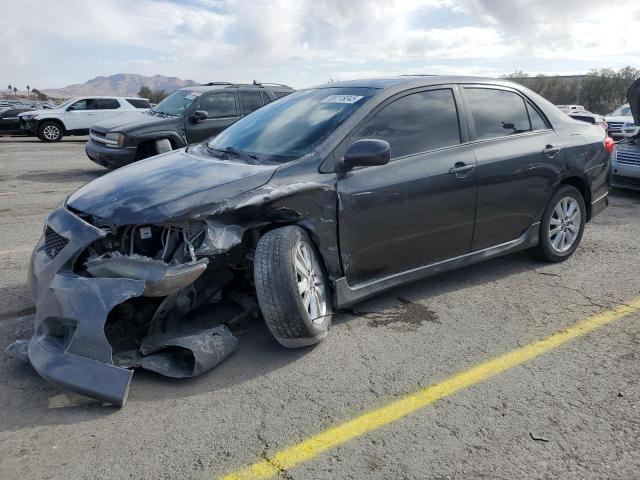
(51, 44)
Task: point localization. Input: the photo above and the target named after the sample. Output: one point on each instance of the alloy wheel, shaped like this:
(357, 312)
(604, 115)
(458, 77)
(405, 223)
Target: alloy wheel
(51, 132)
(310, 280)
(565, 223)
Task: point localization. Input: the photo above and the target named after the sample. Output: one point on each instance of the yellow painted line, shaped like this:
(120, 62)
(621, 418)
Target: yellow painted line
(310, 448)
(16, 250)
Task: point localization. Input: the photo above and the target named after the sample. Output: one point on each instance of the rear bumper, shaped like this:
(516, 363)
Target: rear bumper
(109, 157)
(625, 176)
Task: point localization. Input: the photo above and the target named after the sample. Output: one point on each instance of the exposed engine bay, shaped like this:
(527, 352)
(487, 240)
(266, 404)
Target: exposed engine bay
(179, 326)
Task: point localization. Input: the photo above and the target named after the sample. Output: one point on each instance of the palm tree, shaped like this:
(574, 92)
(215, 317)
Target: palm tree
(15, 90)
(9, 87)
(28, 90)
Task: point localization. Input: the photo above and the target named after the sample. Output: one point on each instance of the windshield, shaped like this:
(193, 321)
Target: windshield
(624, 111)
(176, 103)
(64, 104)
(292, 126)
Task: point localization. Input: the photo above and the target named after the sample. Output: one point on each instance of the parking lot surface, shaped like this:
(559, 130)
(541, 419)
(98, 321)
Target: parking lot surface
(571, 412)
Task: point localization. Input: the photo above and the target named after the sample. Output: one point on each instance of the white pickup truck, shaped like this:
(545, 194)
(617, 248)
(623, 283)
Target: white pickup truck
(77, 116)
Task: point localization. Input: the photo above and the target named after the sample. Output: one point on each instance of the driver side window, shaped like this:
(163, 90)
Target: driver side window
(79, 105)
(416, 123)
(218, 105)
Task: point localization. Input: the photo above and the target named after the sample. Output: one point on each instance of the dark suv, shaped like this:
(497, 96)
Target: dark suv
(187, 116)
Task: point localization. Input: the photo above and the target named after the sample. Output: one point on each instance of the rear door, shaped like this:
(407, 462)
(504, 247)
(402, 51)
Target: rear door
(250, 100)
(222, 109)
(518, 155)
(109, 108)
(419, 208)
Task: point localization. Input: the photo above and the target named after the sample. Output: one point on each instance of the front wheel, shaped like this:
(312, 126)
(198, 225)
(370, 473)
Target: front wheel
(50, 132)
(562, 225)
(292, 287)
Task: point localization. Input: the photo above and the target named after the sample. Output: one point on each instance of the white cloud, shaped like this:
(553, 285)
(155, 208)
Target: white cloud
(289, 40)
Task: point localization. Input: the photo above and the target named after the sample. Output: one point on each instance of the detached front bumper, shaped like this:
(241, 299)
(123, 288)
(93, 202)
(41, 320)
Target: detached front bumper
(69, 347)
(109, 157)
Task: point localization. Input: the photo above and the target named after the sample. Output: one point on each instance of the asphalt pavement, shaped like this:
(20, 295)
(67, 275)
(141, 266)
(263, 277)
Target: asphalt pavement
(569, 412)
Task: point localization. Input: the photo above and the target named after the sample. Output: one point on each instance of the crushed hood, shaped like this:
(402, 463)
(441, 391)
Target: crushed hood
(137, 119)
(633, 97)
(167, 186)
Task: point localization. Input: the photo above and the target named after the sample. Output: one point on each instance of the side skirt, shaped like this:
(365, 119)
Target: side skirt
(347, 295)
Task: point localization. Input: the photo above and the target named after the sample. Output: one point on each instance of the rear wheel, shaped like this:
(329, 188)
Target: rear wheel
(292, 287)
(562, 225)
(50, 132)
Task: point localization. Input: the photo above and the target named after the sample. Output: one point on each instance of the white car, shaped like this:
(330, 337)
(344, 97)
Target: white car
(617, 120)
(77, 116)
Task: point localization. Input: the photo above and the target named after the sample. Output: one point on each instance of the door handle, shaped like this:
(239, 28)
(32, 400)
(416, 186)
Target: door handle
(461, 169)
(551, 151)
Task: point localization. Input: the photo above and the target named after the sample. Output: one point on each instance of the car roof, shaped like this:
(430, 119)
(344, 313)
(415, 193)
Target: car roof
(228, 85)
(410, 81)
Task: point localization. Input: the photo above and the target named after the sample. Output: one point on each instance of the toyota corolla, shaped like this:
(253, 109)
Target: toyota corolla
(310, 204)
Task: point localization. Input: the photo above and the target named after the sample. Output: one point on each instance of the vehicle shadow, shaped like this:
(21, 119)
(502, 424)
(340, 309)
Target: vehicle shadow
(33, 402)
(42, 176)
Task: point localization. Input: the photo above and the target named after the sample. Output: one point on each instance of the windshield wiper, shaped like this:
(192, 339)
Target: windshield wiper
(236, 151)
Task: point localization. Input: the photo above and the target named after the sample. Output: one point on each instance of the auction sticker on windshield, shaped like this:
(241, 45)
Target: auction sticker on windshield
(193, 95)
(342, 99)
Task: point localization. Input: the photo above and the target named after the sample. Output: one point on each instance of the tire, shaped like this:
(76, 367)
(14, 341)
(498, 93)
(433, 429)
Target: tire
(50, 132)
(163, 146)
(286, 305)
(560, 234)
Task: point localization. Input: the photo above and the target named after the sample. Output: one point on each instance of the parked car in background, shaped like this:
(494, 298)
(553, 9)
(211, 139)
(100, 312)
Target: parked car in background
(571, 108)
(76, 116)
(626, 157)
(312, 203)
(616, 120)
(10, 123)
(187, 116)
(588, 117)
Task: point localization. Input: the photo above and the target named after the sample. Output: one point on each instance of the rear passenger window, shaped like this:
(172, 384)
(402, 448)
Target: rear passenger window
(92, 104)
(416, 123)
(265, 97)
(497, 113)
(138, 103)
(108, 103)
(218, 105)
(251, 101)
(537, 122)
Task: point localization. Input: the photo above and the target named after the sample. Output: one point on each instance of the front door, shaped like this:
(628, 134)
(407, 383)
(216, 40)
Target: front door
(82, 114)
(419, 208)
(222, 109)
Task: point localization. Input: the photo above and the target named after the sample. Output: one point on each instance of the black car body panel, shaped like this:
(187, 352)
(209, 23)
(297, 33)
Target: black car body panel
(140, 131)
(374, 227)
(10, 123)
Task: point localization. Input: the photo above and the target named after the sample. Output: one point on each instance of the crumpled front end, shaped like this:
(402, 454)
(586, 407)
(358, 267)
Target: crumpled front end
(111, 298)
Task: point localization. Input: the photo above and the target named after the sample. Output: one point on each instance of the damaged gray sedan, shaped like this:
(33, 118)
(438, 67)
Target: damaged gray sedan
(310, 204)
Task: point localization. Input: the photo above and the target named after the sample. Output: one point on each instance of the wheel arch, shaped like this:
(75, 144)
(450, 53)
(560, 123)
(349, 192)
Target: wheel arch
(583, 187)
(57, 121)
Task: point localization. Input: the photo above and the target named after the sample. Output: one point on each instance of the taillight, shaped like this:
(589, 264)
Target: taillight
(609, 144)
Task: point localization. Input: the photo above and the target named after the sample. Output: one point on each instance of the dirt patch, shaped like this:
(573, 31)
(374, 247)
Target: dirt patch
(406, 316)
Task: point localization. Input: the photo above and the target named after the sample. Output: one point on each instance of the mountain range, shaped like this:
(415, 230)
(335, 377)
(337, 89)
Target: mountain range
(121, 84)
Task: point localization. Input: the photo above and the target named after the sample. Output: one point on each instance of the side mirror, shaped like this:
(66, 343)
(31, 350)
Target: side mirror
(199, 115)
(367, 152)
